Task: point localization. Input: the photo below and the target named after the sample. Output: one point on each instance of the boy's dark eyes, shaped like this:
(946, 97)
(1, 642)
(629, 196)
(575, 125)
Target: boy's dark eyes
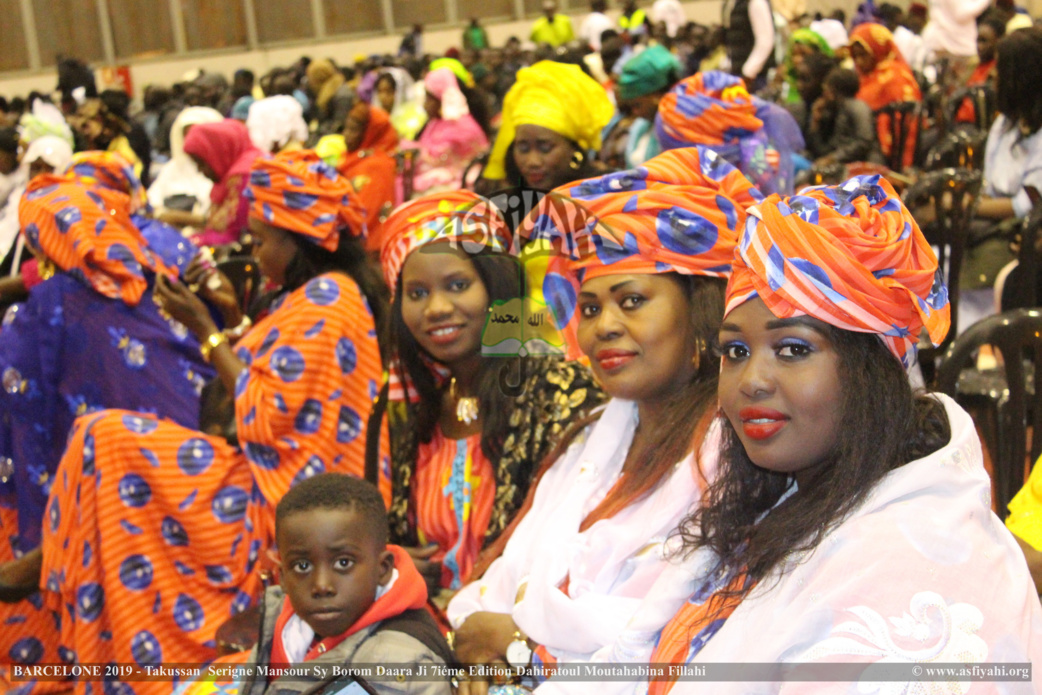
(300, 566)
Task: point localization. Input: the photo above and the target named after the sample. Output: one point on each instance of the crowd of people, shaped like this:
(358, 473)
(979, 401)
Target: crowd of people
(666, 411)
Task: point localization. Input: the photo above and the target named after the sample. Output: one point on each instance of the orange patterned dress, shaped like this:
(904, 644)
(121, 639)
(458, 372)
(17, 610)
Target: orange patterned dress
(452, 497)
(154, 532)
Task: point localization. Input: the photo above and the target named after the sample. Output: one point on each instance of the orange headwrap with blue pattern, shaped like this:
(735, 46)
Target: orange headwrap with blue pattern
(298, 192)
(457, 216)
(109, 170)
(848, 255)
(680, 212)
(88, 233)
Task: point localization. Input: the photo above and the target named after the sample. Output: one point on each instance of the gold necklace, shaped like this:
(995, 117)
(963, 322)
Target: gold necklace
(466, 408)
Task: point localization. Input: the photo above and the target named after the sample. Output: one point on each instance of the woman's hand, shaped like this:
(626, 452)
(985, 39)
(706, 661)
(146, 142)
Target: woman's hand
(483, 638)
(173, 297)
(429, 570)
(214, 286)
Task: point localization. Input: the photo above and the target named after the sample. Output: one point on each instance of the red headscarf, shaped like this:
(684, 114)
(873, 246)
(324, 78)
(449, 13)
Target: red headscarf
(226, 147)
(88, 232)
(682, 212)
(457, 216)
(300, 193)
(108, 170)
(878, 41)
(848, 255)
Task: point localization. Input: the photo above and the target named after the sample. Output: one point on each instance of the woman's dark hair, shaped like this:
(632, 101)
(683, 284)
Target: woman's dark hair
(350, 258)
(503, 280)
(689, 411)
(1019, 63)
(844, 82)
(885, 426)
(683, 422)
(478, 106)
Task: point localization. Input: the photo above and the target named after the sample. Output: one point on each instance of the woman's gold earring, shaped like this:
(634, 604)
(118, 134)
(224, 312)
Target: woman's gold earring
(45, 269)
(696, 361)
(577, 160)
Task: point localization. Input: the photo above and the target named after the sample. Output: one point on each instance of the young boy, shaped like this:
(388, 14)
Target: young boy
(347, 598)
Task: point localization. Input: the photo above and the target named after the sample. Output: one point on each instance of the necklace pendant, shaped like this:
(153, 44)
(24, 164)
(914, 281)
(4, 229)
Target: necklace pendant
(467, 410)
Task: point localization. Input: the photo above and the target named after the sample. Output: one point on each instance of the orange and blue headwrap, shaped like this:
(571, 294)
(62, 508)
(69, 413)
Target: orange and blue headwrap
(298, 192)
(849, 255)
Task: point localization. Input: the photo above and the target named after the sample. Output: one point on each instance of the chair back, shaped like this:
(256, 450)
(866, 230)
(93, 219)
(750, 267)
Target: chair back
(1020, 290)
(904, 121)
(953, 195)
(1018, 336)
(983, 99)
(960, 149)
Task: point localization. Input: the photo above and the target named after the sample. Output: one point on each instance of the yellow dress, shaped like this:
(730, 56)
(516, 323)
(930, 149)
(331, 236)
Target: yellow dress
(1025, 510)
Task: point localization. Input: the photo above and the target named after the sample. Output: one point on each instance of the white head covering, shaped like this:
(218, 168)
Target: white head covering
(51, 149)
(180, 176)
(193, 115)
(276, 121)
(833, 31)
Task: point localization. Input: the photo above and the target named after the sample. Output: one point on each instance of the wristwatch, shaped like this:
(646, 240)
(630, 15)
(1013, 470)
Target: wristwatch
(519, 654)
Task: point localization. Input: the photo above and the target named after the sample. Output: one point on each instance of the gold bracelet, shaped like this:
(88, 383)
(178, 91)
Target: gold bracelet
(212, 341)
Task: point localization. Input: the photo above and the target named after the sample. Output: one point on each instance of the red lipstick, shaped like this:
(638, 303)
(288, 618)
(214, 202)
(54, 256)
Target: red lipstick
(611, 360)
(761, 423)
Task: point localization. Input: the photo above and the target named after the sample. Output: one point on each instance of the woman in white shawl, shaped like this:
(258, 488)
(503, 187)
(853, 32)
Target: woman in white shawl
(652, 247)
(45, 155)
(180, 195)
(850, 523)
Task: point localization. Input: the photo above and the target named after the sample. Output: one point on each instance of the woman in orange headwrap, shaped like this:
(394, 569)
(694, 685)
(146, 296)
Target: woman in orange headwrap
(155, 531)
(463, 446)
(885, 79)
(364, 153)
(88, 337)
(850, 523)
(642, 260)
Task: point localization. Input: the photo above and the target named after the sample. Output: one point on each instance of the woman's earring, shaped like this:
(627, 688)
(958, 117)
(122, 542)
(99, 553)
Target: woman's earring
(696, 361)
(45, 269)
(577, 160)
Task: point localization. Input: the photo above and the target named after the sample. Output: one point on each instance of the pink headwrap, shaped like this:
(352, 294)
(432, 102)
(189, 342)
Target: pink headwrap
(442, 84)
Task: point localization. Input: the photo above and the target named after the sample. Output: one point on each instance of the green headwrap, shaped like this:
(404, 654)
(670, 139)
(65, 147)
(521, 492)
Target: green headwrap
(652, 70)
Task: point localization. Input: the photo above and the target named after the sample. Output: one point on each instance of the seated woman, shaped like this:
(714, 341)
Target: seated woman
(646, 252)
(885, 79)
(850, 523)
(463, 448)
(277, 123)
(551, 128)
(45, 155)
(88, 338)
(629, 139)
(450, 140)
(155, 532)
(394, 92)
(331, 97)
(364, 153)
(990, 31)
(714, 110)
(109, 170)
(102, 129)
(224, 154)
(180, 195)
(802, 43)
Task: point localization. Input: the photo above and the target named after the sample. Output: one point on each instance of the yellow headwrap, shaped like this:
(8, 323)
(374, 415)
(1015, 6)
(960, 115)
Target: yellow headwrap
(556, 96)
